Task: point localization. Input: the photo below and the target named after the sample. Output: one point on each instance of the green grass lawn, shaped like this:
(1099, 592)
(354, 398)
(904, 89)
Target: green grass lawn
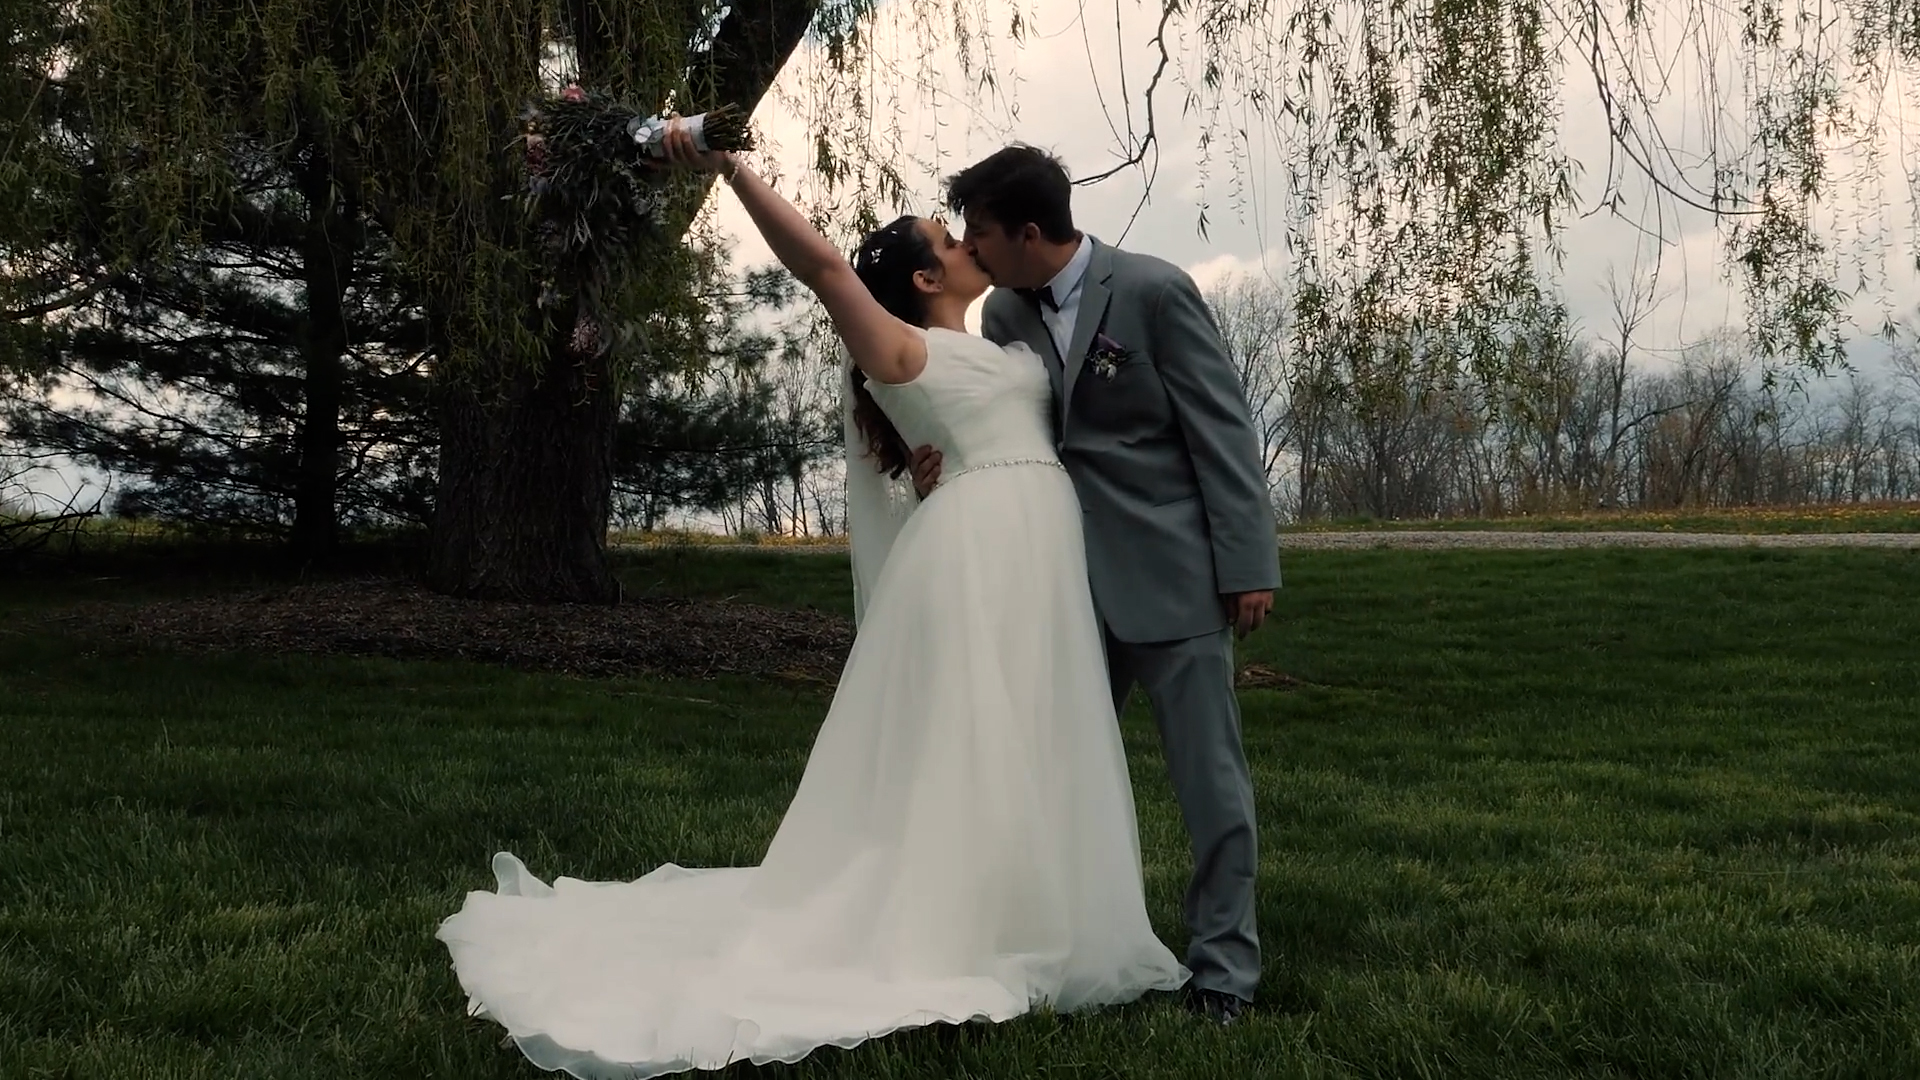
(1531, 814)
(806, 578)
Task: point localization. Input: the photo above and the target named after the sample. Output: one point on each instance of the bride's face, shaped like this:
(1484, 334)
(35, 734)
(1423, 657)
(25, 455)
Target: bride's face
(960, 275)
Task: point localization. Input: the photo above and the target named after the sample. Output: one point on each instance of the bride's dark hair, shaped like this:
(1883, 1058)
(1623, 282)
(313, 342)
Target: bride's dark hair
(886, 262)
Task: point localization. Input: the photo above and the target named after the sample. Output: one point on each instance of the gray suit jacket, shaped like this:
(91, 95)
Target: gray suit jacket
(1161, 447)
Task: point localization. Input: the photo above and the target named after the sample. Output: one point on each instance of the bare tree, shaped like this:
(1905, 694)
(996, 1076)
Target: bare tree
(1372, 430)
(1251, 312)
(1633, 304)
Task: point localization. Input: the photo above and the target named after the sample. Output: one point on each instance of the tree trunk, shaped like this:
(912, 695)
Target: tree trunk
(526, 487)
(327, 258)
(526, 471)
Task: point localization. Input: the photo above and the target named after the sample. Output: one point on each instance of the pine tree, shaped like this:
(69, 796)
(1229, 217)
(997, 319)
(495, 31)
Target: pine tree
(725, 431)
(249, 377)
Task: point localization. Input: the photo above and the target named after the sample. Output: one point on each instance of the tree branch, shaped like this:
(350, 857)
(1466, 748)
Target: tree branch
(1150, 137)
(754, 42)
(61, 303)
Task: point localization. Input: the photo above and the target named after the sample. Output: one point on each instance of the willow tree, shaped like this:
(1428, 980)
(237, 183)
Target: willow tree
(402, 114)
(1430, 180)
(1421, 145)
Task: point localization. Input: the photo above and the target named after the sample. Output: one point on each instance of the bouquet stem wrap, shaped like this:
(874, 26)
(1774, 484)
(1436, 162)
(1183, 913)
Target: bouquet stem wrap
(717, 130)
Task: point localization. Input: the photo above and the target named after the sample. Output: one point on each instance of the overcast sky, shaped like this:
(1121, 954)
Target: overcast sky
(1066, 87)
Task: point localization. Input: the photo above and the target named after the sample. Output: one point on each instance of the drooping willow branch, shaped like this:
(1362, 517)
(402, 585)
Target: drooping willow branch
(596, 195)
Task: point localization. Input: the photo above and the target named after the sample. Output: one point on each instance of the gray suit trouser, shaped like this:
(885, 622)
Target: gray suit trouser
(1190, 684)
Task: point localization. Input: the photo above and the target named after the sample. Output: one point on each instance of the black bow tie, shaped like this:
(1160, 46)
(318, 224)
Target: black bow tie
(1039, 296)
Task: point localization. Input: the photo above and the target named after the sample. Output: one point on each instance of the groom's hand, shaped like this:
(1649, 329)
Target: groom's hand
(926, 470)
(1248, 610)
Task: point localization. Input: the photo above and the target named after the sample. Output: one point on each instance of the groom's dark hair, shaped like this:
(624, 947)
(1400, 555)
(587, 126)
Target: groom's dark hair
(1017, 185)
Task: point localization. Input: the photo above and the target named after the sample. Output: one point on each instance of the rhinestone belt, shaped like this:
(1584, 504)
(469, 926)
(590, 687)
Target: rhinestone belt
(1004, 463)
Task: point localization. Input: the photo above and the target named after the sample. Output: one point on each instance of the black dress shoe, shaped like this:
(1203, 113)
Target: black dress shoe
(1215, 1006)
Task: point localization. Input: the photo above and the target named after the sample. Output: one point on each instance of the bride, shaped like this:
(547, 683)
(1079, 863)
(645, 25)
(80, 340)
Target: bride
(962, 844)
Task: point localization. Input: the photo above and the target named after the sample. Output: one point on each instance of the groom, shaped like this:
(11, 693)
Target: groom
(1155, 431)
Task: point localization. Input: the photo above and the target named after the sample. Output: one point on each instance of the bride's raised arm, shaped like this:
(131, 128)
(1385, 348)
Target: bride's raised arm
(886, 349)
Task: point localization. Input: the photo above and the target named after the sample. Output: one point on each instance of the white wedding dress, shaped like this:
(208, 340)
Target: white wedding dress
(962, 843)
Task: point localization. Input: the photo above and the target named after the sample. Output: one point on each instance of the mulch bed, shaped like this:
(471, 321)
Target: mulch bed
(400, 619)
(396, 618)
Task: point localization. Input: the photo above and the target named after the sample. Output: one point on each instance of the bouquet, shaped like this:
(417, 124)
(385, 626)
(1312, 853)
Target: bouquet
(595, 187)
(578, 142)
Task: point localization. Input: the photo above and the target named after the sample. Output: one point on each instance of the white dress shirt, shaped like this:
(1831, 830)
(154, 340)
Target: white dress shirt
(1066, 288)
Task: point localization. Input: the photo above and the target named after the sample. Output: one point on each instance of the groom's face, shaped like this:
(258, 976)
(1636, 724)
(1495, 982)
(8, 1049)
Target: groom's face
(1005, 255)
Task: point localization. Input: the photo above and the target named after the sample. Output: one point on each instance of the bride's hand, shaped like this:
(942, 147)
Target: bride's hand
(682, 151)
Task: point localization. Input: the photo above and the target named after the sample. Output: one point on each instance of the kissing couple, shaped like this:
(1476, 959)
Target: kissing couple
(1042, 517)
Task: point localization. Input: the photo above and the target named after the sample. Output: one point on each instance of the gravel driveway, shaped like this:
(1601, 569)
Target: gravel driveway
(1488, 539)
(1437, 538)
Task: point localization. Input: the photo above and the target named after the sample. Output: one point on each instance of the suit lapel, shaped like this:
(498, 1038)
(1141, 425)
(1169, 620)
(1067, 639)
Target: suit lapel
(1029, 329)
(1094, 297)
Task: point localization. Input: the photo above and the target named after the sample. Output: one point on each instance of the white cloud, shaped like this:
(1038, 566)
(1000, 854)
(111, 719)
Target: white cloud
(1208, 273)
